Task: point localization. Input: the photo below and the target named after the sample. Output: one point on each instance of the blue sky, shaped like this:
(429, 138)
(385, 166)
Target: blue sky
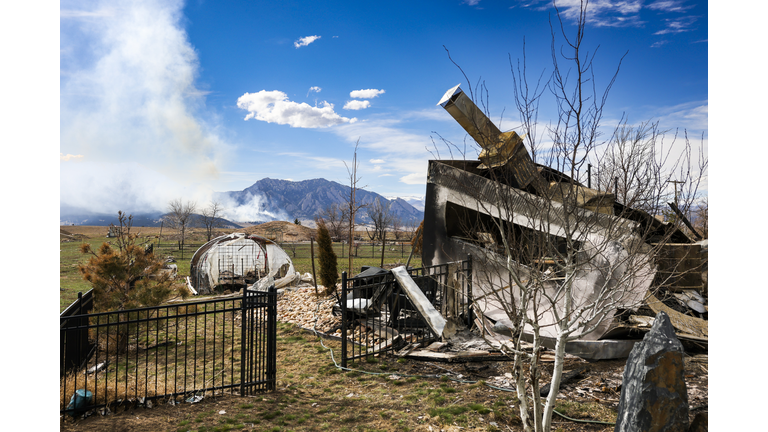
(165, 99)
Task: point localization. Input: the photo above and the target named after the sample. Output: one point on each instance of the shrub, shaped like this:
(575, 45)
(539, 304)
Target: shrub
(329, 272)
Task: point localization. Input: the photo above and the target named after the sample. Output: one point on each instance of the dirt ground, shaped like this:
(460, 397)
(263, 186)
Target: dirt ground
(387, 394)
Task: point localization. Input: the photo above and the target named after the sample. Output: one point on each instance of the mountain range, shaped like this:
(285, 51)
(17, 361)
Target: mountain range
(268, 200)
(305, 199)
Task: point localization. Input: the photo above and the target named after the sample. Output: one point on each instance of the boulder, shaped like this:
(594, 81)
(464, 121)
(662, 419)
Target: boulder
(700, 423)
(653, 392)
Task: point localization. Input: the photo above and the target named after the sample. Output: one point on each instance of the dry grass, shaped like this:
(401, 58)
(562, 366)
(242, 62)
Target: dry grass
(382, 394)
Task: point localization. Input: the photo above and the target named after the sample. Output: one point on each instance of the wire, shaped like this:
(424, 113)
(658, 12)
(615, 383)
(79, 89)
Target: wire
(438, 376)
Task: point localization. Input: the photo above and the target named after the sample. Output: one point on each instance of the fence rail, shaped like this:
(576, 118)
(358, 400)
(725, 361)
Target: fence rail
(171, 351)
(378, 316)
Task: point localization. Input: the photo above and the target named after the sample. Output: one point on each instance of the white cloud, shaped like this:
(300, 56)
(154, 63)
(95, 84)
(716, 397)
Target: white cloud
(365, 94)
(68, 13)
(129, 98)
(315, 89)
(678, 25)
(415, 178)
(692, 116)
(274, 107)
(356, 105)
(68, 157)
(668, 6)
(305, 41)
(610, 13)
(389, 140)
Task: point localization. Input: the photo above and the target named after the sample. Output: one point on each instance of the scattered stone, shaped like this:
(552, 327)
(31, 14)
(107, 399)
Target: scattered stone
(653, 392)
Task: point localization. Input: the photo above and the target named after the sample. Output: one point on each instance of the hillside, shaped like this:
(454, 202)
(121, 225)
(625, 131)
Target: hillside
(289, 231)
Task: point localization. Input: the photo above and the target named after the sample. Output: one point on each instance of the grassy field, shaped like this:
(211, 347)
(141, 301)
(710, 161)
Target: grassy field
(71, 282)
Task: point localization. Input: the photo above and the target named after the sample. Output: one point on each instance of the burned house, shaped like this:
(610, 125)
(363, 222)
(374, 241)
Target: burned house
(505, 211)
(238, 260)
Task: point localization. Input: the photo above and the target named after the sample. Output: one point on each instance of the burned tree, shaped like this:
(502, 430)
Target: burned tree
(555, 262)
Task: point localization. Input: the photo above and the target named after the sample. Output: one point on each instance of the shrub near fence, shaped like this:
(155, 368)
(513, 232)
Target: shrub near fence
(173, 351)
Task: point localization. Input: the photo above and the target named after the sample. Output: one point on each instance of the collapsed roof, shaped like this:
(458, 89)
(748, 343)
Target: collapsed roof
(645, 256)
(238, 260)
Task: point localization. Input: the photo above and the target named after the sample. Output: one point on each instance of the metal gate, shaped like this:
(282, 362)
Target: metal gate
(176, 351)
(259, 342)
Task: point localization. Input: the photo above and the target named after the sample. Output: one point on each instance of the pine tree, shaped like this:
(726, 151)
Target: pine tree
(329, 272)
(125, 275)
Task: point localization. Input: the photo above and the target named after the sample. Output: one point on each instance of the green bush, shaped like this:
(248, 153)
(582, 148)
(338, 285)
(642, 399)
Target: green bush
(329, 272)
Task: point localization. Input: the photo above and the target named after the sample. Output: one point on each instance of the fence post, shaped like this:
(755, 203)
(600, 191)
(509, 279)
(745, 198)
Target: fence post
(272, 339)
(243, 341)
(343, 301)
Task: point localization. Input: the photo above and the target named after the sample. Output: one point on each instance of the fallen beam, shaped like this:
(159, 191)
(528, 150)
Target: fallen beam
(439, 325)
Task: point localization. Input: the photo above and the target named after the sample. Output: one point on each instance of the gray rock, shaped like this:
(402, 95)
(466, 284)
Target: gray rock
(653, 393)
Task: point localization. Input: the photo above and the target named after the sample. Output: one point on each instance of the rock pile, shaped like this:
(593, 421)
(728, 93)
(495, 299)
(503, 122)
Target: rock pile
(301, 307)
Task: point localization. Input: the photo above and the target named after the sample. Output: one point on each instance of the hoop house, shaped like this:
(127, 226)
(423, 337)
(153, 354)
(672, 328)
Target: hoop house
(237, 260)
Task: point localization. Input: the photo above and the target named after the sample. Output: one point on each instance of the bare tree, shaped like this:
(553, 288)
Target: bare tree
(409, 229)
(381, 216)
(555, 261)
(335, 218)
(397, 226)
(180, 218)
(210, 217)
(352, 205)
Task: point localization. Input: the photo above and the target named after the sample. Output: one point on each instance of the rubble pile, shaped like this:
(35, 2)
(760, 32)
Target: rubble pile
(300, 306)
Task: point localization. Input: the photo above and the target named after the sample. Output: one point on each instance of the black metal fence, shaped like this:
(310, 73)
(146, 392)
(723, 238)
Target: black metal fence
(179, 352)
(73, 326)
(378, 316)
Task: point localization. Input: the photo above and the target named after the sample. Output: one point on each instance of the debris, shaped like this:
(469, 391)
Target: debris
(461, 196)
(80, 399)
(97, 368)
(195, 399)
(238, 260)
(567, 376)
(436, 322)
(653, 391)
